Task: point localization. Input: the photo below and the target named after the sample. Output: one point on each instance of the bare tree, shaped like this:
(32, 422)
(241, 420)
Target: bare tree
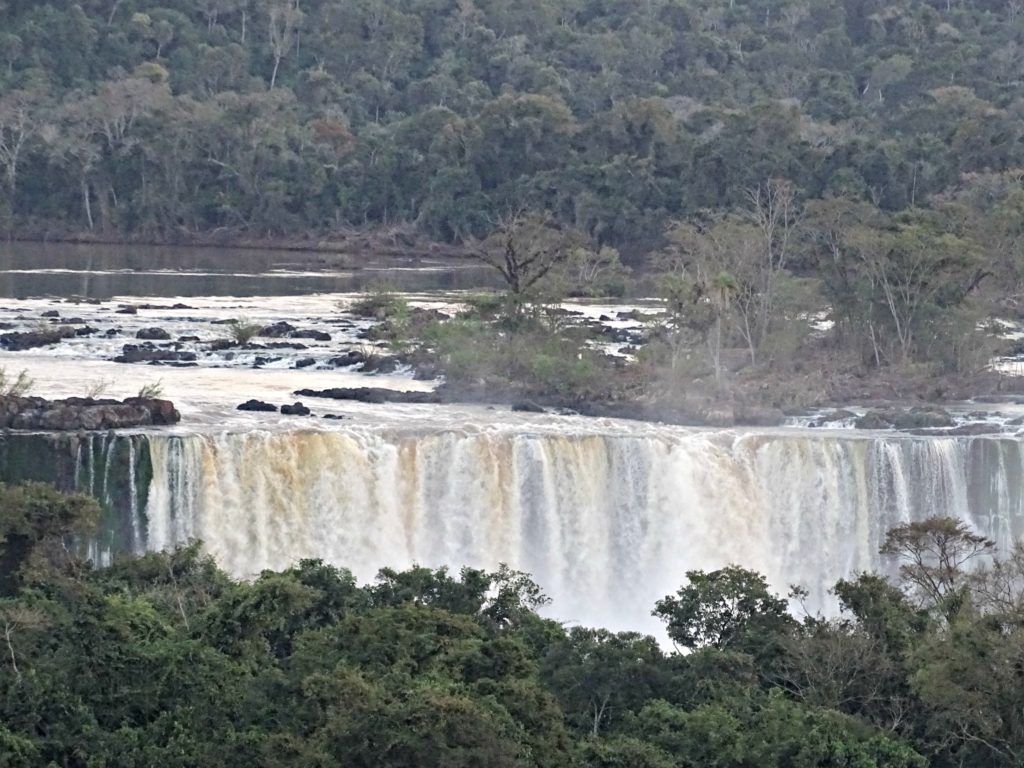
(524, 250)
(17, 125)
(752, 249)
(284, 17)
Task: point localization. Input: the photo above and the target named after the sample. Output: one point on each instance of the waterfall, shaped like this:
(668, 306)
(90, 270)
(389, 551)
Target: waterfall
(606, 523)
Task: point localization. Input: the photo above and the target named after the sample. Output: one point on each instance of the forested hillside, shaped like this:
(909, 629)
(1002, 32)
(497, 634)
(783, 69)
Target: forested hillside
(286, 117)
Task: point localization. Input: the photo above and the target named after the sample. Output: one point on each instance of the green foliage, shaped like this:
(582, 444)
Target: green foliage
(242, 331)
(731, 608)
(38, 527)
(529, 356)
(281, 118)
(154, 389)
(381, 304)
(17, 386)
(164, 659)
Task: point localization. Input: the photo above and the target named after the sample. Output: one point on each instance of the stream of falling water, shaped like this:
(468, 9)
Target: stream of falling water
(607, 524)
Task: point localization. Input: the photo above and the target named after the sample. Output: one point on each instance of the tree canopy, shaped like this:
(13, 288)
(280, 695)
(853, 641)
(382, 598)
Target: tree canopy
(163, 659)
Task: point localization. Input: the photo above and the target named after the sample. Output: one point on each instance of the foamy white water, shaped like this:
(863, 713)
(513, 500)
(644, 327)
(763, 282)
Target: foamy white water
(607, 519)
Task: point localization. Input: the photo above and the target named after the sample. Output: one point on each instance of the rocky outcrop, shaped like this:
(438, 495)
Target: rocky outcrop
(147, 353)
(350, 358)
(527, 406)
(80, 413)
(18, 341)
(295, 409)
(153, 334)
(277, 330)
(900, 418)
(310, 334)
(257, 405)
(372, 395)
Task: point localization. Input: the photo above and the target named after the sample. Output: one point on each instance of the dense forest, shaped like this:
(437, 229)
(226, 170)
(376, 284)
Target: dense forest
(164, 660)
(289, 117)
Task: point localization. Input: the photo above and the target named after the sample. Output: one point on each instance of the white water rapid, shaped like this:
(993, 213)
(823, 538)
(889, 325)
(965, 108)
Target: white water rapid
(607, 519)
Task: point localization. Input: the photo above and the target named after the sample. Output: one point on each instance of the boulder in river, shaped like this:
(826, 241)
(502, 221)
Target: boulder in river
(18, 341)
(295, 409)
(153, 334)
(147, 353)
(80, 413)
(277, 330)
(381, 364)
(905, 419)
(350, 358)
(527, 406)
(310, 334)
(305, 362)
(257, 405)
(372, 395)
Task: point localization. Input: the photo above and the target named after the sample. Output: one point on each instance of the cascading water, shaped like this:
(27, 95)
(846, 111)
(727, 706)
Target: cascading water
(606, 522)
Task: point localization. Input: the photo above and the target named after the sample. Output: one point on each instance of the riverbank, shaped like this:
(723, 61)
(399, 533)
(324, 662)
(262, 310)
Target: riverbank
(404, 242)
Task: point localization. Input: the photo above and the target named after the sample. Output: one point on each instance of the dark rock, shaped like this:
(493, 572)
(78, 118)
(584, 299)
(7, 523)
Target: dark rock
(84, 413)
(261, 361)
(381, 364)
(295, 409)
(277, 330)
(219, 345)
(904, 419)
(17, 341)
(112, 332)
(86, 331)
(426, 372)
(872, 420)
(73, 321)
(147, 353)
(350, 358)
(155, 334)
(310, 334)
(283, 345)
(604, 318)
(257, 405)
(832, 417)
(964, 430)
(50, 313)
(305, 362)
(333, 416)
(372, 395)
(759, 416)
(188, 339)
(161, 411)
(127, 311)
(526, 406)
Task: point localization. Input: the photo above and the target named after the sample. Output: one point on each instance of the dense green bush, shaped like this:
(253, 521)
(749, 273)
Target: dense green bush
(162, 659)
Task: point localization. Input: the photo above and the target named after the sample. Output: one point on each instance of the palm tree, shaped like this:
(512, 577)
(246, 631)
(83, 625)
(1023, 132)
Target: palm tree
(721, 291)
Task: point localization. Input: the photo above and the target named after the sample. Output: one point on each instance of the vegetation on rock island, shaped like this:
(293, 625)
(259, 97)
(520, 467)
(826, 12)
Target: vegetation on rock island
(165, 660)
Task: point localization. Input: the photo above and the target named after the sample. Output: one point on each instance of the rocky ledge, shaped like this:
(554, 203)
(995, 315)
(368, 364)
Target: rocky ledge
(372, 395)
(82, 413)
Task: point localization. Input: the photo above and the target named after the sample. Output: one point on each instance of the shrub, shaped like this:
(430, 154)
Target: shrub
(18, 386)
(243, 331)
